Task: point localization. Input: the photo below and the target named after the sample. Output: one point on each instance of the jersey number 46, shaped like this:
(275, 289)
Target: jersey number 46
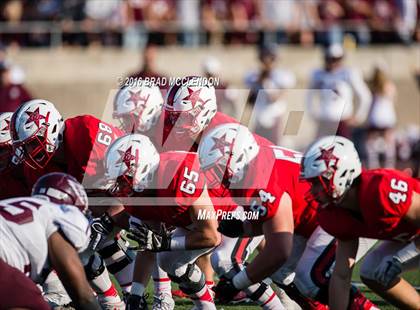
(400, 187)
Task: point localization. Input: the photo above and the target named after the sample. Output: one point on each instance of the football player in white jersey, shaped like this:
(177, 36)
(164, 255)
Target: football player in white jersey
(39, 235)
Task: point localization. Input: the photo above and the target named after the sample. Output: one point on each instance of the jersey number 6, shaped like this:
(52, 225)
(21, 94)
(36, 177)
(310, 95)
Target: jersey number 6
(188, 185)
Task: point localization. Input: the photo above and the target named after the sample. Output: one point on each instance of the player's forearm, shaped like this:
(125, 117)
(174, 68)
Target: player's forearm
(271, 258)
(252, 229)
(339, 292)
(199, 239)
(143, 267)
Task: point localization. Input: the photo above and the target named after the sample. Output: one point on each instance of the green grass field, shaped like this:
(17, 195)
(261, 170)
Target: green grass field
(184, 304)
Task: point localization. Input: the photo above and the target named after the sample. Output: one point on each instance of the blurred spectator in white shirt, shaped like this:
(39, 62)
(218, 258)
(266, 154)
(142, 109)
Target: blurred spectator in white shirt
(277, 18)
(188, 18)
(406, 23)
(108, 13)
(331, 93)
(267, 93)
(380, 141)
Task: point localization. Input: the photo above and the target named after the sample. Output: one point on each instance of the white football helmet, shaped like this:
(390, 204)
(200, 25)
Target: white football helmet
(226, 151)
(37, 131)
(130, 162)
(190, 108)
(334, 161)
(6, 148)
(138, 107)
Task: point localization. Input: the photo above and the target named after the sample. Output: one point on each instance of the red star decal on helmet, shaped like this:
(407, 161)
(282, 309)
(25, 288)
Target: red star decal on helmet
(135, 97)
(193, 96)
(127, 157)
(7, 125)
(327, 156)
(220, 144)
(35, 117)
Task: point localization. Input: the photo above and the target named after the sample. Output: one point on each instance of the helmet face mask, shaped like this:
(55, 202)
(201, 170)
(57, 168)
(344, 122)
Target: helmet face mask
(183, 122)
(6, 147)
(131, 162)
(6, 153)
(189, 108)
(37, 151)
(122, 186)
(322, 191)
(228, 149)
(333, 163)
(37, 129)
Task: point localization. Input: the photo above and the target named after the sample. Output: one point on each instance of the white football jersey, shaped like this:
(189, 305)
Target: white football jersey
(26, 223)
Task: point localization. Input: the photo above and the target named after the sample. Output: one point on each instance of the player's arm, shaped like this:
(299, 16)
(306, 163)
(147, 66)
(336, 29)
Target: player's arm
(65, 261)
(204, 234)
(413, 214)
(278, 232)
(340, 283)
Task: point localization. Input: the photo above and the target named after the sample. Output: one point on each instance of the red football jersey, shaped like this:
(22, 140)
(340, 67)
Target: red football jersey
(384, 197)
(12, 183)
(85, 142)
(167, 140)
(177, 184)
(273, 172)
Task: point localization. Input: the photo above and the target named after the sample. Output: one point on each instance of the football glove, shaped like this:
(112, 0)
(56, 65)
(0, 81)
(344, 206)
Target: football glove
(101, 227)
(149, 240)
(136, 302)
(225, 290)
(388, 270)
(231, 228)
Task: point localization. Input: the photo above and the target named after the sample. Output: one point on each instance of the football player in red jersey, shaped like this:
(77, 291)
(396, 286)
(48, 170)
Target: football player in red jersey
(12, 182)
(383, 204)
(168, 188)
(258, 178)
(190, 110)
(46, 143)
(233, 162)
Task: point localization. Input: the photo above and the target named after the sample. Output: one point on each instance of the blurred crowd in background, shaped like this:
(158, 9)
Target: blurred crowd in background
(135, 23)
(338, 97)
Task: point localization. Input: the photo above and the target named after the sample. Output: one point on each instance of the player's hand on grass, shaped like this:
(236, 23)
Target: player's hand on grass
(225, 290)
(149, 240)
(135, 302)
